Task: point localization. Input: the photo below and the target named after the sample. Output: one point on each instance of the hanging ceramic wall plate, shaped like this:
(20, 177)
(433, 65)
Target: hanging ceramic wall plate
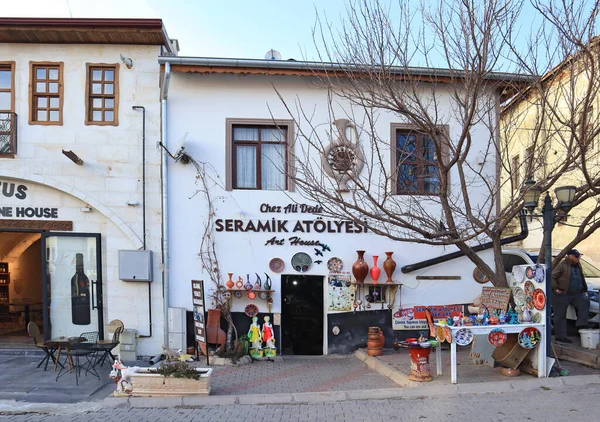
(237, 294)
(497, 337)
(335, 265)
(529, 302)
(518, 296)
(448, 334)
(529, 272)
(262, 295)
(539, 299)
(463, 337)
(536, 317)
(529, 288)
(439, 334)
(529, 338)
(540, 273)
(518, 274)
(251, 310)
(301, 262)
(276, 265)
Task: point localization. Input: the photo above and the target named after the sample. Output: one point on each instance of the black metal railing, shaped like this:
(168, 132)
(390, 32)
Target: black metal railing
(8, 133)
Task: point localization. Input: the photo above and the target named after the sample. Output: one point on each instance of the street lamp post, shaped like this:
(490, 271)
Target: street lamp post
(564, 197)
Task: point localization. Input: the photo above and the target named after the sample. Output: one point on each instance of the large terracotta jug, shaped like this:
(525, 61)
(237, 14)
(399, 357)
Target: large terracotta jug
(389, 266)
(375, 271)
(360, 268)
(230, 282)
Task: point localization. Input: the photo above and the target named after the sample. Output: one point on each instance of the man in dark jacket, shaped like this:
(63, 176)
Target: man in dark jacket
(569, 288)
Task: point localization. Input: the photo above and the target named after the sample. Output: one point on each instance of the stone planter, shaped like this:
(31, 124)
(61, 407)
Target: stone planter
(147, 383)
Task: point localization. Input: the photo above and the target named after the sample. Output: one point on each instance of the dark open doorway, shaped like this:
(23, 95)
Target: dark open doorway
(302, 314)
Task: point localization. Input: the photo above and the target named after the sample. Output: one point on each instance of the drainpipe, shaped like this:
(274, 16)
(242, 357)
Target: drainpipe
(444, 258)
(164, 188)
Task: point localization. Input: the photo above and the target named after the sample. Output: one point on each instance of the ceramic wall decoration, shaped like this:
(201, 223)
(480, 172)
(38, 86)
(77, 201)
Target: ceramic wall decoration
(251, 310)
(268, 284)
(389, 266)
(540, 273)
(448, 334)
(518, 274)
(258, 283)
(230, 282)
(276, 265)
(529, 338)
(439, 334)
(497, 337)
(539, 299)
(463, 337)
(237, 294)
(251, 295)
(343, 159)
(375, 271)
(248, 285)
(529, 272)
(239, 283)
(301, 262)
(529, 288)
(536, 318)
(335, 265)
(518, 296)
(360, 268)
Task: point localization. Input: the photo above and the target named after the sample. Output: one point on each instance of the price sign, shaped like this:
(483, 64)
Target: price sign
(495, 297)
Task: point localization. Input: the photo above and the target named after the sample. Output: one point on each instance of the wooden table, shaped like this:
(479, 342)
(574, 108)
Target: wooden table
(66, 342)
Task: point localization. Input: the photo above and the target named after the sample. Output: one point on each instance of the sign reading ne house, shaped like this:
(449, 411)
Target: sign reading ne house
(290, 226)
(19, 191)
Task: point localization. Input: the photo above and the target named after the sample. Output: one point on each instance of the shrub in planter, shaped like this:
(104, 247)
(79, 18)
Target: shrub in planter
(171, 379)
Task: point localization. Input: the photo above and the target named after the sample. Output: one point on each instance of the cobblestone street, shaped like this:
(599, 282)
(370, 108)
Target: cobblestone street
(573, 403)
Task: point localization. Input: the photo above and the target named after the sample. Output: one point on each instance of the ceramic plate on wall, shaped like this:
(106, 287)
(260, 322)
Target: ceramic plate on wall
(518, 274)
(529, 289)
(335, 265)
(497, 337)
(518, 296)
(540, 273)
(536, 317)
(251, 310)
(463, 337)
(529, 272)
(448, 334)
(529, 338)
(301, 262)
(539, 299)
(439, 334)
(276, 265)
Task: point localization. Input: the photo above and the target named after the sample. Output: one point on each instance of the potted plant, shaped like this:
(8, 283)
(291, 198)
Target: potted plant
(171, 379)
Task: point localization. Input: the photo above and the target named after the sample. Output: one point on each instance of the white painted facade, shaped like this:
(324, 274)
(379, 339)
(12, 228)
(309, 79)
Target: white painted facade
(109, 179)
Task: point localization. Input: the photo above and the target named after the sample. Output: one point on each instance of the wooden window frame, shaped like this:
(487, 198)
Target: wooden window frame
(33, 95)
(516, 176)
(9, 65)
(230, 162)
(88, 95)
(402, 127)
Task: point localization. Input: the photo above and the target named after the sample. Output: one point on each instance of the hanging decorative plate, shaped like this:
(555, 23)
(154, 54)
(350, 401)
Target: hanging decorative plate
(529, 272)
(276, 265)
(335, 265)
(251, 295)
(448, 334)
(518, 273)
(529, 338)
(270, 300)
(251, 310)
(529, 288)
(479, 276)
(536, 317)
(518, 296)
(262, 295)
(301, 262)
(539, 299)
(540, 273)
(237, 294)
(497, 337)
(439, 334)
(529, 302)
(463, 337)
(430, 322)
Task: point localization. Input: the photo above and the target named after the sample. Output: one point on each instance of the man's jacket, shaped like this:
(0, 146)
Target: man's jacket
(561, 276)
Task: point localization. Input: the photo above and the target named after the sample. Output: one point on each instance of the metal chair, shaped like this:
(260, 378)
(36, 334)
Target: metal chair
(104, 347)
(34, 332)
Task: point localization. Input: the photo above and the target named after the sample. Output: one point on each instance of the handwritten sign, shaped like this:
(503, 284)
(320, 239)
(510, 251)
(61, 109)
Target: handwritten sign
(495, 297)
(414, 318)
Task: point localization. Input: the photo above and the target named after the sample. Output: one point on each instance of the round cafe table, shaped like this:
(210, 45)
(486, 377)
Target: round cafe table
(66, 343)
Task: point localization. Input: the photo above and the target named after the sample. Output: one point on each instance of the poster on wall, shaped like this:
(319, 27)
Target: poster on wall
(198, 304)
(340, 293)
(414, 318)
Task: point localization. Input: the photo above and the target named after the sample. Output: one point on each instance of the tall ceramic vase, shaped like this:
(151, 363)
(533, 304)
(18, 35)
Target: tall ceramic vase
(360, 269)
(389, 266)
(375, 271)
(230, 282)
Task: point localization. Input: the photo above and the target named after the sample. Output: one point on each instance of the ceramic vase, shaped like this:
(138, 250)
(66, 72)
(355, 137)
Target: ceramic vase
(360, 269)
(374, 346)
(239, 283)
(389, 266)
(419, 364)
(375, 271)
(230, 282)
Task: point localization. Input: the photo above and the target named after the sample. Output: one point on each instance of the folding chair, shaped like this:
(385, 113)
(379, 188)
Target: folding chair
(104, 348)
(34, 332)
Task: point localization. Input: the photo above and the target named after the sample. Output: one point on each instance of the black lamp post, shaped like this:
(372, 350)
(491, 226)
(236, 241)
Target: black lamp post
(564, 198)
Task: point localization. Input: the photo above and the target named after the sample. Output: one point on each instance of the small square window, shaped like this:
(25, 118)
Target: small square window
(40, 73)
(96, 102)
(54, 102)
(42, 102)
(109, 75)
(96, 88)
(40, 87)
(54, 116)
(109, 103)
(42, 115)
(96, 75)
(97, 116)
(108, 88)
(53, 88)
(53, 74)
(109, 116)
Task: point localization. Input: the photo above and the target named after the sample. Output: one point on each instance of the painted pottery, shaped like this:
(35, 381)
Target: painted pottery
(497, 337)
(539, 299)
(419, 364)
(276, 265)
(301, 262)
(439, 334)
(248, 285)
(375, 271)
(239, 283)
(529, 338)
(374, 346)
(463, 337)
(360, 268)
(230, 282)
(389, 266)
(335, 265)
(529, 289)
(540, 273)
(448, 334)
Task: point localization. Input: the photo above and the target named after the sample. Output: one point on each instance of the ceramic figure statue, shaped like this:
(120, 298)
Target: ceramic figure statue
(121, 375)
(268, 337)
(375, 271)
(230, 282)
(360, 268)
(389, 266)
(456, 321)
(254, 337)
(526, 315)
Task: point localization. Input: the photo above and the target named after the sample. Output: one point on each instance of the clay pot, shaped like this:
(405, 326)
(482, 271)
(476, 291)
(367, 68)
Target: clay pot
(381, 338)
(360, 269)
(230, 282)
(375, 271)
(389, 266)
(374, 342)
(419, 364)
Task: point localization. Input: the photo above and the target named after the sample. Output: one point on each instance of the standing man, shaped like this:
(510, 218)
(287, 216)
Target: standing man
(569, 288)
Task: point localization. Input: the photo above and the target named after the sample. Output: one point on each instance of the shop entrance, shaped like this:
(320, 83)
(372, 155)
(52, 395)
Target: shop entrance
(302, 315)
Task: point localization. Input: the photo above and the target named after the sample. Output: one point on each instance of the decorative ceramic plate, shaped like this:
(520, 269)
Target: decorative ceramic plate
(251, 295)
(335, 265)
(301, 262)
(529, 288)
(518, 273)
(529, 302)
(497, 337)
(529, 272)
(536, 317)
(518, 296)
(276, 265)
(448, 333)
(529, 338)
(237, 294)
(463, 337)
(439, 334)
(540, 273)
(251, 310)
(539, 299)
(262, 295)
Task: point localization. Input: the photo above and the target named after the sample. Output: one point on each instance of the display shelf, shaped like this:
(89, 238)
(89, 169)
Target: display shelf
(253, 290)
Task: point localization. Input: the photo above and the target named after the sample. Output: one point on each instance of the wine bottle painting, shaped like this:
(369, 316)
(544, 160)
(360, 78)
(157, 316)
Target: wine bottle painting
(80, 294)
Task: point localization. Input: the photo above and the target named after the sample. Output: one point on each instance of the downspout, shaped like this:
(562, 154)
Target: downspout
(164, 188)
(444, 258)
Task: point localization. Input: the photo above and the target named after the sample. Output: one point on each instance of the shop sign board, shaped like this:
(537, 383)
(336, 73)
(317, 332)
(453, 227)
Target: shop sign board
(414, 318)
(495, 297)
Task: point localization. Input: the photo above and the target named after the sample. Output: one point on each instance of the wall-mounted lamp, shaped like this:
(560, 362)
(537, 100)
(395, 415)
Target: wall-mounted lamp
(127, 61)
(86, 209)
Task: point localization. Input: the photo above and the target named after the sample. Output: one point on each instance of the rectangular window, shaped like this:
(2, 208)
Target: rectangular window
(46, 91)
(416, 164)
(259, 154)
(7, 105)
(102, 94)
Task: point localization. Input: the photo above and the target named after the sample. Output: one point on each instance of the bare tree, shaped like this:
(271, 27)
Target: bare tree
(442, 187)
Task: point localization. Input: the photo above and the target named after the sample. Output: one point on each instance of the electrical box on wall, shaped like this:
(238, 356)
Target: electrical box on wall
(135, 265)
